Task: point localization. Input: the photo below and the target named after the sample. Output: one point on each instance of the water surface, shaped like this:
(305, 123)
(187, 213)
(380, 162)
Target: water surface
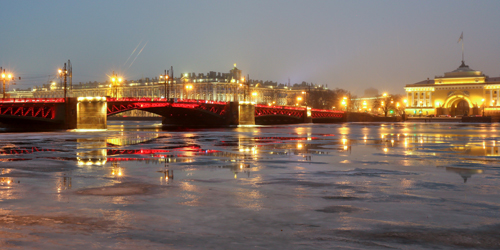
(342, 186)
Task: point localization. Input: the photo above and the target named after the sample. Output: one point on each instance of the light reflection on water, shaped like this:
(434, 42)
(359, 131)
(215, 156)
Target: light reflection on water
(330, 177)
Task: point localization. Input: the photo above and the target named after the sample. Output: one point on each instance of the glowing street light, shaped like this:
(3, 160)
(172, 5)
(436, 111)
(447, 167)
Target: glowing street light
(166, 77)
(254, 96)
(63, 73)
(115, 81)
(188, 88)
(483, 105)
(5, 77)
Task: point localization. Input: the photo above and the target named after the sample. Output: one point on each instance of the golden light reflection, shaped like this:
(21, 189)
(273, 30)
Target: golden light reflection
(116, 170)
(63, 183)
(5, 181)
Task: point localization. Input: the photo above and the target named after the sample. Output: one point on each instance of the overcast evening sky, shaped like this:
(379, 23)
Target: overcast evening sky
(346, 44)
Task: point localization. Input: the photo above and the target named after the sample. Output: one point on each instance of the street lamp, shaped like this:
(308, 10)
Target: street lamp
(115, 81)
(254, 96)
(64, 74)
(167, 91)
(188, 88)
(483, 106)
(299, 99)
(5, 77)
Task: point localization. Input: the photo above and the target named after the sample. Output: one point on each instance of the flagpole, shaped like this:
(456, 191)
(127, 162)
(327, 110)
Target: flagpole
(461, 39)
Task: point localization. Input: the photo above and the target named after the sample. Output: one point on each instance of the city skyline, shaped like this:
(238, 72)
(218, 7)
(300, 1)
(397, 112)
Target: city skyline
(352, 45)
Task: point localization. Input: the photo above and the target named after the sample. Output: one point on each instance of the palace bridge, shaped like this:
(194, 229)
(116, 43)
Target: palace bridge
(92, 112)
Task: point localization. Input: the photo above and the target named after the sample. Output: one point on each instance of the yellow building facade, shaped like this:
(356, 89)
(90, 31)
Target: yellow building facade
(461, 92)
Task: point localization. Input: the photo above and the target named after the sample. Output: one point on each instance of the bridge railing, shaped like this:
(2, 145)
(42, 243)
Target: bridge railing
(145, 99)
(279, 107)
(32, 100)
(327, 110)
(298, 108)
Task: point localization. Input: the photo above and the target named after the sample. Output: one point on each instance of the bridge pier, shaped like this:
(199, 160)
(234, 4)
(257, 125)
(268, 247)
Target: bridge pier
(246, 114)
(308, 115)
(87, 113)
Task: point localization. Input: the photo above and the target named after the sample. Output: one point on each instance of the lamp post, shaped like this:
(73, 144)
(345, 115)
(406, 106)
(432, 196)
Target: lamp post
(237, 90)
(5, 77)
(115, 81)
(254, 95)
(188, 88)
(299, 99)
(483, 106)
(166, 77)
(64, 73)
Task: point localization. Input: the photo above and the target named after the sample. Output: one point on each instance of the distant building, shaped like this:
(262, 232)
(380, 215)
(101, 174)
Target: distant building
(213, 86)
(463, 91)
(19, 94)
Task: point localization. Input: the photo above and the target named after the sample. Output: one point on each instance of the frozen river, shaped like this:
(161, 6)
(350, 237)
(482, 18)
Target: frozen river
(341, 186)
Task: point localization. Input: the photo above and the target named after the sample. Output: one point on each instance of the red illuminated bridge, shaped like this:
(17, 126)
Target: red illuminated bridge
(91, 112)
